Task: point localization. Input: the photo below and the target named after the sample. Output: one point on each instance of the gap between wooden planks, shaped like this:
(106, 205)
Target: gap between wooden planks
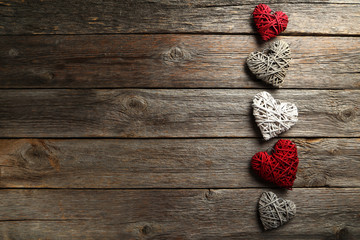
(170, 61)
(220, 16)
(173, 214)
(168, 163)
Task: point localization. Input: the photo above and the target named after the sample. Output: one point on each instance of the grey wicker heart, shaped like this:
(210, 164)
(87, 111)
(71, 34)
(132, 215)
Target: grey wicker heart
(272, 116)
(271, 64)
(275, 212)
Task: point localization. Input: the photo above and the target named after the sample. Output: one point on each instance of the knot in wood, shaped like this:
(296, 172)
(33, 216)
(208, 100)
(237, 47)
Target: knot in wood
(210, 195)
(146, 230)
(335, 152)
(132, 106)
(49, 76)
(314, 175)
(175, 55)
(347, 115)
(13, 52)
(37, 156)
(341, 233)
(136, 104)
(43, 75)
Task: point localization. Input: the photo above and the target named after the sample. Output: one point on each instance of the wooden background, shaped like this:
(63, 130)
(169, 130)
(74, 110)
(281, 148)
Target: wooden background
(132, 119)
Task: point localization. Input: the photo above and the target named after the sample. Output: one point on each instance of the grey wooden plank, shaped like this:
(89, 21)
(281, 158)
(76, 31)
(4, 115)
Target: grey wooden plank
(169, 61)
(168, 163)
(132, 113)
(147, 16)
(173, 214)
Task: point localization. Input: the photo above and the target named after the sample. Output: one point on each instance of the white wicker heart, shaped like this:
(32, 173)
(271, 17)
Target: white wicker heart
(273, 117)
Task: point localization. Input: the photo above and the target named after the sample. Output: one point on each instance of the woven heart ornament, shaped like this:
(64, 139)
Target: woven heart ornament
(271, 64)
(275, 212)
(273, 117)
(280, 167)
(269, 25)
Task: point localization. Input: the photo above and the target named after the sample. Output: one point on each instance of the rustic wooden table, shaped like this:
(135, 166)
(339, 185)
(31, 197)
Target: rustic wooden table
(132, 119)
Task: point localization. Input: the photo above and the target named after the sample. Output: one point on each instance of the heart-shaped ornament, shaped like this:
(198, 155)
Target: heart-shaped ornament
(269, 25)
(275, 212)
(271, 64)
(280, 167)
(273, 117)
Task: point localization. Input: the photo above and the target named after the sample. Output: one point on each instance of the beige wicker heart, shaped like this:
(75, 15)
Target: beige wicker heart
(271, 64)
(273, 117)
(275, 212)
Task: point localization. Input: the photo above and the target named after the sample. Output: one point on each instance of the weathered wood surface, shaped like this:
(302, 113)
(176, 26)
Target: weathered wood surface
(173, 214)
(169, 113)
(147, 16)
(168, 163)
(123, 178)
(169, 61)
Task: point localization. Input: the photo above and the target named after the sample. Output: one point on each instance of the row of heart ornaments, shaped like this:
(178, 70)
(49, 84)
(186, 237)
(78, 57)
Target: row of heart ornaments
(273, 117)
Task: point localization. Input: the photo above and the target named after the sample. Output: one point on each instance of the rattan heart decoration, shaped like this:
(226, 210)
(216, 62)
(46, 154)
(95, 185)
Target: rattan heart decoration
(271, 64)
(275, 212)
(273, 117)
(280, 167)
(269, 25)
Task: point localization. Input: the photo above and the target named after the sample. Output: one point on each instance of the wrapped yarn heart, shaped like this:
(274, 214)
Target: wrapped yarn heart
(273, 117)
(267, 24)
(274, 211)
(280, 167)
(271, 64)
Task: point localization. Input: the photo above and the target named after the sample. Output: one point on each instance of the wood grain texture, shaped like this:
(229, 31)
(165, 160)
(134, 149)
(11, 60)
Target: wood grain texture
(169, 113)
(168, 163)
(169, 61)
(154, 188)
(173, 214)
(147, 16)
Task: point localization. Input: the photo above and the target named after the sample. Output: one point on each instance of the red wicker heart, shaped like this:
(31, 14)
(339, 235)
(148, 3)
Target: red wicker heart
(267, 24)
(280, 167)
